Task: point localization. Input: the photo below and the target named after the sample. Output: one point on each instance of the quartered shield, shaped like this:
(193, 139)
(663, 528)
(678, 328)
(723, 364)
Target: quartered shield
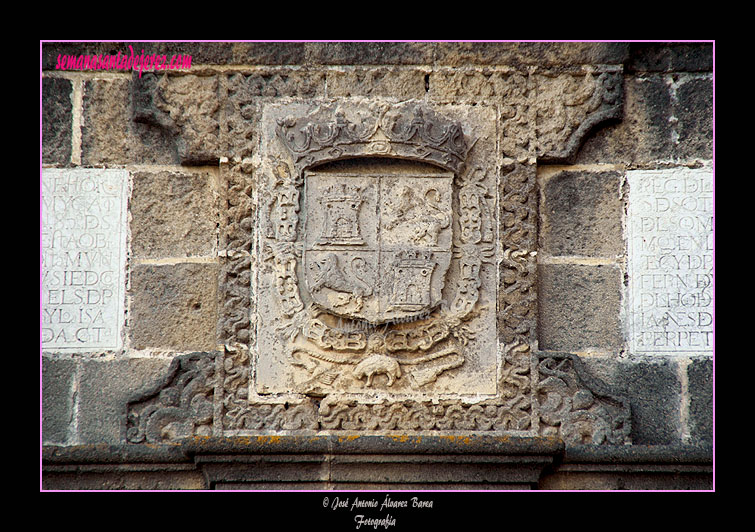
(377, 247)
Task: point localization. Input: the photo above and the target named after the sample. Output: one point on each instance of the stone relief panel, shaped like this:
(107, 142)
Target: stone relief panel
(398, 242)
(569, 105)
(382, 286)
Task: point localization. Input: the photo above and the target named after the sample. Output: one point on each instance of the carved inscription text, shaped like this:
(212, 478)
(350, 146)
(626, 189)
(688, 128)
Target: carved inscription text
(671, 260)
(83, 249)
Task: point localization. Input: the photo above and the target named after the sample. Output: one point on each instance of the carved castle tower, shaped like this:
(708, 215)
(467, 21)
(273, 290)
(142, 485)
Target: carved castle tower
(412, 273)
(341, 204)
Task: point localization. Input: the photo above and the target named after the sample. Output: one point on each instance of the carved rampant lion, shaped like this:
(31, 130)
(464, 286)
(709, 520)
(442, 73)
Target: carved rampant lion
(423, 215)
(327, 273)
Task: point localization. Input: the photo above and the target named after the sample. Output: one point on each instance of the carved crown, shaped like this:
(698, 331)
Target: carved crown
(408, 131)
(414, 258)
(342, 192)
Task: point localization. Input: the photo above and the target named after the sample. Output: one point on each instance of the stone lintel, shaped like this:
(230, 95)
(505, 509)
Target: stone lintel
(381, 462)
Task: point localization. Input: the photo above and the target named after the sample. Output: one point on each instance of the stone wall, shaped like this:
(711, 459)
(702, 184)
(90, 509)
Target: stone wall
(568, 133)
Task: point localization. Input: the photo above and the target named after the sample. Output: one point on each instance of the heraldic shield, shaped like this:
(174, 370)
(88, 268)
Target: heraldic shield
(378, 246)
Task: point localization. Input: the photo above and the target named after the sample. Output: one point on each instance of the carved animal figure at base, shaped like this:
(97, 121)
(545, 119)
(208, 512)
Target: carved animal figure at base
(376, 364)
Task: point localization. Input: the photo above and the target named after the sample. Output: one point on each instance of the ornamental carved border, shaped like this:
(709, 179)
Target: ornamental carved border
(537, 393)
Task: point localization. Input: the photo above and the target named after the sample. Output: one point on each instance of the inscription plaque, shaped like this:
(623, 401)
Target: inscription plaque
(83, 258)
(670, 266)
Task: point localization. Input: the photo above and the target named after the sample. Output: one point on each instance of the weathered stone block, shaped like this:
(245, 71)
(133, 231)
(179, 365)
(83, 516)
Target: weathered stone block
(670, 57)
(105, 387)
(581, 214)
(58, 400)
(110, 136)
(700, 386)
(267, 53)
(644, 133)
(522, 53)
(401, 84)
(191, 106)
(185, 106)
(569, 106)
(173, 215)
(579, 307)
(694, 112)
(370, 53)
(666, 118)
(654, 392)
(174, 306)
(57, 117)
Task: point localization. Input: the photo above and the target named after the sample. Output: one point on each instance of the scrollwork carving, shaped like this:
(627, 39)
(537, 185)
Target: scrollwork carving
(578, 412)
(180, 407)
(333, 344)
(570, 105)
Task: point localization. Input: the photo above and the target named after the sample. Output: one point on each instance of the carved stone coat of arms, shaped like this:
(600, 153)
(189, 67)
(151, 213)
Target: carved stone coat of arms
(379, 275)
(376, 247)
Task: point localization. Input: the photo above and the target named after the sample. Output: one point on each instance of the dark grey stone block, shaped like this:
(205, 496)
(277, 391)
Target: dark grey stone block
(670, 57)
(694, 111)
(666, 117)
(700, 382)
(58, 397)
(654, 393)
(643, 135)
(582, 214)
(57, 117)
(105, 389)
